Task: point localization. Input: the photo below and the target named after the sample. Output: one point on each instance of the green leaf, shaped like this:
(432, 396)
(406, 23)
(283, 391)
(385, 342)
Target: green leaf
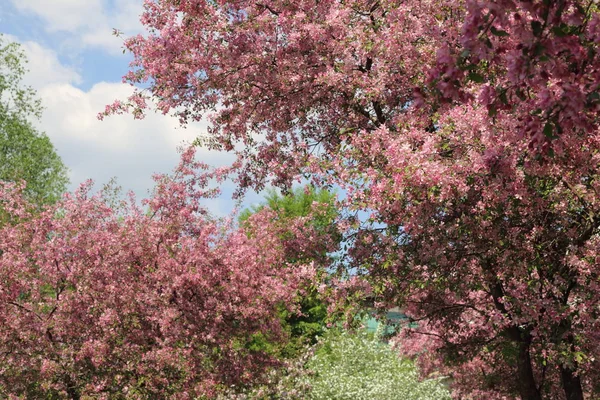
(538, 49)
(593, 97)
(578, 356)
(498, 32)
(536, 27)
(502, 96)
(475, 77)
(560, 30)
(591, 53)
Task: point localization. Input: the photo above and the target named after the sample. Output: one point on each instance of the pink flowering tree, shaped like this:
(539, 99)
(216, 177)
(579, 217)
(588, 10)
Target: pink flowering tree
(467, 130)
(120, 302)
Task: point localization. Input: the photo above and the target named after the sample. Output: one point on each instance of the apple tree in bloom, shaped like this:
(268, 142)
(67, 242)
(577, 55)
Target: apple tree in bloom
(466, 130)
(123, 302)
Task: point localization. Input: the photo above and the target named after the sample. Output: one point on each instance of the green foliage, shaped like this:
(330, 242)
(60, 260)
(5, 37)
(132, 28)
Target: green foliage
(305, 328)
(302, 202)
(298, 203)
(358, 366)
(25, 153)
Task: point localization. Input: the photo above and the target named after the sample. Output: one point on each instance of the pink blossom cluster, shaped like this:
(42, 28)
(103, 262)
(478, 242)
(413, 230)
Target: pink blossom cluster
(468, 131)
(161, 301)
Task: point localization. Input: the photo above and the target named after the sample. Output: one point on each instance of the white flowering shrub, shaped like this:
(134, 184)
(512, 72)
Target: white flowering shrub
(358, 366)
(346, 366)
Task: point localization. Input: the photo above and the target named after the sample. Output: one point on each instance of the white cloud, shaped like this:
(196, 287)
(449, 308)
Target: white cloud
(130, 150)
(92, 21)
(44, 66)
(62, 15)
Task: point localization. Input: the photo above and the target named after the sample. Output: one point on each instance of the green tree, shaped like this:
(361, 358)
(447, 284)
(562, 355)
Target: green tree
(299, 203)
(25, 153)
(318, 208)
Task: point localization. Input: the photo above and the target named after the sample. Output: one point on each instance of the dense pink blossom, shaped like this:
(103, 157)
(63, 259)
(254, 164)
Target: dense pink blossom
(104, 301)
(467, 130)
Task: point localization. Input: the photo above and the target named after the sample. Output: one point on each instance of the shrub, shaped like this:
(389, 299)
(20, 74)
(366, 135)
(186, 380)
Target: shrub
(358, 366)
(348, 366)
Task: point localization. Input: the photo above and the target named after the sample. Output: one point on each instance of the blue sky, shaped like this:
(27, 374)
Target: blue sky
(76, 65)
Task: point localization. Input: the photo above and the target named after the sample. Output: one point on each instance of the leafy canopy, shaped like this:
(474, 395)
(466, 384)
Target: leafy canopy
(25, 153)
(317, 209)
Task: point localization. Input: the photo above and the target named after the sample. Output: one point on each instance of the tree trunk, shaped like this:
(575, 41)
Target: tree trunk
(525, 379)
(571, 384)
(528, 390)
(72, 390)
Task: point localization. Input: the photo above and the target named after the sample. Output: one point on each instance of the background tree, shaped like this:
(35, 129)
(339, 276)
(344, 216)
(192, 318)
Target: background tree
(467, 130)
(25, 153)
(317, 208)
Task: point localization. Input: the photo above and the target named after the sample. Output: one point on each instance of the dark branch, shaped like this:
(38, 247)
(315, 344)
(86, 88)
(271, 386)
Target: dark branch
(267, 7)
